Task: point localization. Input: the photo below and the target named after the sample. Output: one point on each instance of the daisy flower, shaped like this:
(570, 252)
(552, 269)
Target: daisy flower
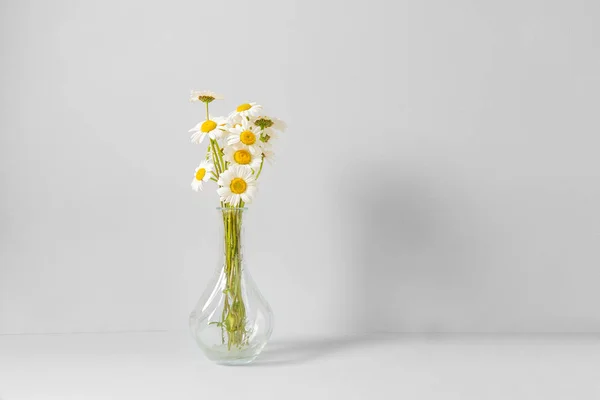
(266, 135)
(268, 154)
(236, 184)
(246, 110)
(205, 96)
(202, 174)
(214, 127)
(270, 127)
(246, 134)
(239, 154)
(270, 123)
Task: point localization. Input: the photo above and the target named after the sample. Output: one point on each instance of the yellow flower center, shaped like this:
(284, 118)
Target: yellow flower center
(242, 157)
(247, 137)
(208, 126)
(243, 107)
(200, 174)
(238, 186)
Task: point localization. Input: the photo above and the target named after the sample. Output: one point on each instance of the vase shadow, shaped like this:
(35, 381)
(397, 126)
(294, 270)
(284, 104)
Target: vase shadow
(300, 351)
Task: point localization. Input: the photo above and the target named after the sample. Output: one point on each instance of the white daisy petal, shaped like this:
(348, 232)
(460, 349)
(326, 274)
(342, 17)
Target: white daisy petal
(197, 137)
(251, 191)
(204, 95)
(208, 127)
(201, 175)
(236, 185)
(196, 127)
(240, 155)
(246, 110)
(246, 134)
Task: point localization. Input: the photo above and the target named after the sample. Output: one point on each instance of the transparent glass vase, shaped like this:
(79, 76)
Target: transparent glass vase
(232, 321)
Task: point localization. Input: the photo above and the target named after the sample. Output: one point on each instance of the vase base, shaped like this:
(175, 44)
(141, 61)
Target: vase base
(222, 355)
(241, 361)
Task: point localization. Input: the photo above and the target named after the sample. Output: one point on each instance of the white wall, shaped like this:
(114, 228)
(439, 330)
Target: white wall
(440, 172)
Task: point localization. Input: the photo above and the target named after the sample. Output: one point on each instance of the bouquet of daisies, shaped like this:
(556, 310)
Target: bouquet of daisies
(238, 146)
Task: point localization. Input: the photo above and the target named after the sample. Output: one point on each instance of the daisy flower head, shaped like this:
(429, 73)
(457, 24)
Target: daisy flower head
(236, 184)
(270, 123)
(202, 174)
(270, 127)
(247, 134)
(268, 154)
(205, 96)
(267, 135)
(247, 110)
(239, 154)
(214, 127)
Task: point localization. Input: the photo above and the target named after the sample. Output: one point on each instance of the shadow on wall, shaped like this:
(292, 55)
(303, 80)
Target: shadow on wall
(411, 253)
(409, 257)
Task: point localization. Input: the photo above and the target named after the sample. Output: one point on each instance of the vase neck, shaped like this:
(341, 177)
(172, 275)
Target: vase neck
(231, 236)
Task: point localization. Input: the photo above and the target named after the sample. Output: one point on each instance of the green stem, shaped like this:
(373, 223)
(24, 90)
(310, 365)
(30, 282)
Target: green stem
(221, 160)
(216, 151)
(262, 161)
(233, 322)
(217, 155)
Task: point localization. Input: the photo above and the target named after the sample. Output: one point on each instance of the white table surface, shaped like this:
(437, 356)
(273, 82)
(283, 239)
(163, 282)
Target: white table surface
(167, 365)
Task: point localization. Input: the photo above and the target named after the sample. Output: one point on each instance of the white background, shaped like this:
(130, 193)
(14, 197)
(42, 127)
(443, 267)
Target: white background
(440, 172)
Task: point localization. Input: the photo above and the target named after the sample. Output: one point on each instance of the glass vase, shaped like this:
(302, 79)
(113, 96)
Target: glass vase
(232, 321)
